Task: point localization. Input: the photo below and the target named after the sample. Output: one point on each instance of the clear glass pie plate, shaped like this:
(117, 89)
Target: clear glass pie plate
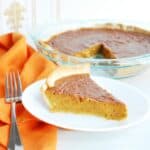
(114, 68)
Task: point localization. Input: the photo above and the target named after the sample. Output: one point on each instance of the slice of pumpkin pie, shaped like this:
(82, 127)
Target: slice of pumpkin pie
(70, 89)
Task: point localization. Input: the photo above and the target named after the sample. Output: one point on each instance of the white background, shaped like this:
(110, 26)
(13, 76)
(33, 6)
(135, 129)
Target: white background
(48, 11)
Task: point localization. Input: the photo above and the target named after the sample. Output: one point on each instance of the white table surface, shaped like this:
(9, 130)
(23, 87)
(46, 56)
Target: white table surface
(135, 138)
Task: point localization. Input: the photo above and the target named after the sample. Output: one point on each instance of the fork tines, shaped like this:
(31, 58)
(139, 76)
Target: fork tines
(13, 87)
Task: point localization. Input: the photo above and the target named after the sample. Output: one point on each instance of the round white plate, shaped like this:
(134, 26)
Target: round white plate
(137, 104)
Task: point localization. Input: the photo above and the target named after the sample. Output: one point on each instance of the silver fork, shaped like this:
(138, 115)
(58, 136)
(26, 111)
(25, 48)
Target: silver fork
(13, 93)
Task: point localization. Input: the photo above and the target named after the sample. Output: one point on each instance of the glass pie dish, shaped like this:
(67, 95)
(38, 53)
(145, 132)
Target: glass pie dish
(114, 68)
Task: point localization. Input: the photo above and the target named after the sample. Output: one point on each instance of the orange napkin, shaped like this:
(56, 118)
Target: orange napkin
(15, 54)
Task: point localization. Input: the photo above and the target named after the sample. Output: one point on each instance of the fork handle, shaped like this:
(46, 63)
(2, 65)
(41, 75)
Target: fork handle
(11, 142)
(14, 141)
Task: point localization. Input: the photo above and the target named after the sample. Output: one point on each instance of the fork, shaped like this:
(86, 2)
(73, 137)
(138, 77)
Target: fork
(13, 93)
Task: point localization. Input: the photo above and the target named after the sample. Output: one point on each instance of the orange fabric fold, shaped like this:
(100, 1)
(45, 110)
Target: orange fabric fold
(15, 54)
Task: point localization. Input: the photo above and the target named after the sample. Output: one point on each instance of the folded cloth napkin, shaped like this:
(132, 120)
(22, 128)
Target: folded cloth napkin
(15, 54)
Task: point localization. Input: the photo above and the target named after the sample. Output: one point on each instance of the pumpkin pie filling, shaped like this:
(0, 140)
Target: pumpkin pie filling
(109, 42)
(78, 93)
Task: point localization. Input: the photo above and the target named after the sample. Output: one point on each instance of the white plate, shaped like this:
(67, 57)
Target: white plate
(137, 104)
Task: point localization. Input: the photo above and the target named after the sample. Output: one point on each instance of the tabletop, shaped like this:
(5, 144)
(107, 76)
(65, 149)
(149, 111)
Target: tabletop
(134, 138)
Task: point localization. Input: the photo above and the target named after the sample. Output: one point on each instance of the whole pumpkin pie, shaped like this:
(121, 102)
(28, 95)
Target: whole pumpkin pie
(70, 89)
(108, 40)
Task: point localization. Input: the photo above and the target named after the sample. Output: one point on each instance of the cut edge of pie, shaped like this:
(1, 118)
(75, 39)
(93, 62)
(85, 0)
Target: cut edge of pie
(61, 101)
